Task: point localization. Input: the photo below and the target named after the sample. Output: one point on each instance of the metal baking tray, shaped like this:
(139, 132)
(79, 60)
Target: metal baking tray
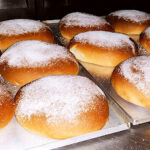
(16, 137)
(136, 114)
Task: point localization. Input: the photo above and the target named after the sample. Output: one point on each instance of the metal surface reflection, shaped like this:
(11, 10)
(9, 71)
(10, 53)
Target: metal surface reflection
(137, 138)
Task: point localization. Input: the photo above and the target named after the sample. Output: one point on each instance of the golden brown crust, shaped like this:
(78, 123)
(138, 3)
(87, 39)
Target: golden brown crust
(98, 71)
(127, 90)
(126, 26)
(44, 34)
(6, 108)
(135, 37)
(69, 32)
(101, 55)
(145, 41)
(87, 121)
(20, 76)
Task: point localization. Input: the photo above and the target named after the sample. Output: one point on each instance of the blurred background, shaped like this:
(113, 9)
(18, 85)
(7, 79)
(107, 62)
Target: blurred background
(56, 9)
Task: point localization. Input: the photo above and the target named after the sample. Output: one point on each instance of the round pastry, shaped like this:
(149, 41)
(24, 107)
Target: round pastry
(145, 39)
(12, 31)
(77, 22)
(61, 106)
(131, 80)
(102, 47)
(6, 106)
(29, 60)
(131, 22)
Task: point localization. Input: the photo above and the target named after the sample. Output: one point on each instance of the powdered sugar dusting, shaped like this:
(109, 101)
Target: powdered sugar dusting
(133, 15)
(83, 19)
(32, 53)
(147, 32)
(20, 26)
(105, 39)
(63, 97)
(137, 71)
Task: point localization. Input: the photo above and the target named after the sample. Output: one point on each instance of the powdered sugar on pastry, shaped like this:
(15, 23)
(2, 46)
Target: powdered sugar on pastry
(133, 15)
(147, 32)
(20, 26)
(137, 71)
(83, 20)
(32, 53)
(63, 97)
(105, 39)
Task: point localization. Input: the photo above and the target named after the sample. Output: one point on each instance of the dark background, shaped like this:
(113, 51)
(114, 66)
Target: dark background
(56, 9)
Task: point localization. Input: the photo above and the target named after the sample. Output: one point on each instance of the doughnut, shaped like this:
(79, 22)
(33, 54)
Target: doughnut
(78, 22)
(131, 80)
(102, 47)
(61, 107)
(131, 22)
(6, 106)
(29, 60)
(145, 39)
(12, 31)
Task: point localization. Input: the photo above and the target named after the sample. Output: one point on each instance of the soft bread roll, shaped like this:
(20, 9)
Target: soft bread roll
(6, 106)
(102, 48)
(131, 80)
(129, 21)
(29, 60)
(12, 31)
(145, 39)
(61, 106)
(78, 22)
(100, 72)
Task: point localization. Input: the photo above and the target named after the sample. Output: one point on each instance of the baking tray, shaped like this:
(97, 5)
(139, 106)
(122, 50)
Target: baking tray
(136, 114)
(16, 137)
